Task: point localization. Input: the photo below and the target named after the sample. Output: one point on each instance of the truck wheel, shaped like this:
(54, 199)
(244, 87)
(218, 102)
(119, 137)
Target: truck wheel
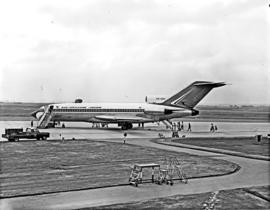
(11, 139)
(44, 138)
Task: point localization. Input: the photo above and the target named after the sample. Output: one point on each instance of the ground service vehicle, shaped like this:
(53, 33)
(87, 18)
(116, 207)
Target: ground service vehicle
(14, 134)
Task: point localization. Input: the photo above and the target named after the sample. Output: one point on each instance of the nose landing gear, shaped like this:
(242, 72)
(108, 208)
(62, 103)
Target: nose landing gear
(126, 126)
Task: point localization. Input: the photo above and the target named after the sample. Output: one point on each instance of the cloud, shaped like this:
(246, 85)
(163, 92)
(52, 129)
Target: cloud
(118, 50)
(110, 13)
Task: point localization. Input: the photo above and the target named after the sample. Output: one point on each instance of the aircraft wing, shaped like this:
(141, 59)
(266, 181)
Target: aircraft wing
(120, 118)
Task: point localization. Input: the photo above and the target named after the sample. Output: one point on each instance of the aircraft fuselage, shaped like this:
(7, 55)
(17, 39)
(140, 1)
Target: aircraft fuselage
(105, 112)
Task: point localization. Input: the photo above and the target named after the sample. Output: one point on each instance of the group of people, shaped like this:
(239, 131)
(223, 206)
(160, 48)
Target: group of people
(99, 125)
(213, 128)
(180, 126)
(141, 125)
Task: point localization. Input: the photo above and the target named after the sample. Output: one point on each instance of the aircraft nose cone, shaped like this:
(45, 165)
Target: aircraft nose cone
(33, 114)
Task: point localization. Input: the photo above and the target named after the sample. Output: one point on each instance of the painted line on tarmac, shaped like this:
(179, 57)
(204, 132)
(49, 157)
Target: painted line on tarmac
(256, 194)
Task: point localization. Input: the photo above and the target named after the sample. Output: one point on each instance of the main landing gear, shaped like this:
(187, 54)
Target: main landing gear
(126, 126)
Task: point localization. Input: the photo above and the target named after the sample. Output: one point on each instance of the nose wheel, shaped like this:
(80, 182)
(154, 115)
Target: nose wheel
(126, 126)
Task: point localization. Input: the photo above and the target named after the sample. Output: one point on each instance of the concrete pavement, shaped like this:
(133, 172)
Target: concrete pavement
(199, 129)
(252, 173)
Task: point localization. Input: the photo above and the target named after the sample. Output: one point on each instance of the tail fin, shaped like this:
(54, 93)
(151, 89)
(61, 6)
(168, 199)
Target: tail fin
(193, 94)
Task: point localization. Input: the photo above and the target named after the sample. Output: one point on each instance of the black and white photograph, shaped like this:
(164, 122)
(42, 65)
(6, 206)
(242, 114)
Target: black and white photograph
(134, 104)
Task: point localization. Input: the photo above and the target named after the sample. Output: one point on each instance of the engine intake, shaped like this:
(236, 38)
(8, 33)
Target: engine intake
(168, 111)
(194, 112)
(155, 99)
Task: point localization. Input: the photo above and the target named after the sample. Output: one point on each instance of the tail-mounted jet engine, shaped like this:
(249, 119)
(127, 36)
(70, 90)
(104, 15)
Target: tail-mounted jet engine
(154, 99)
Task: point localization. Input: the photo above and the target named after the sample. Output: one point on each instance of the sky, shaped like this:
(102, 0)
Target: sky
(123, 50)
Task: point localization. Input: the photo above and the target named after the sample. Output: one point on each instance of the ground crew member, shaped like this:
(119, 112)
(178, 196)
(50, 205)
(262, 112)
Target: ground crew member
(179, 125)
(189, 127)
(212, 129)
(125, 137)
(182, 126)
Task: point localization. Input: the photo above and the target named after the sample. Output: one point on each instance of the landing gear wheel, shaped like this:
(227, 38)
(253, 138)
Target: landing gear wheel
(126, 126)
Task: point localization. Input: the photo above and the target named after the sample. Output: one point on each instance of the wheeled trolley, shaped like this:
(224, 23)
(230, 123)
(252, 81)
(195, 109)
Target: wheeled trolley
(136, 175)
(164, 177)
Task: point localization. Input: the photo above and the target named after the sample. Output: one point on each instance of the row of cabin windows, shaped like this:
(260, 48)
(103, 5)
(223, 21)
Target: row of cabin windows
(98, 110)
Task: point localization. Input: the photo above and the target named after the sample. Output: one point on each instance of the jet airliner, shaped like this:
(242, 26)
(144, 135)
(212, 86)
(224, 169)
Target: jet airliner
(182, 104)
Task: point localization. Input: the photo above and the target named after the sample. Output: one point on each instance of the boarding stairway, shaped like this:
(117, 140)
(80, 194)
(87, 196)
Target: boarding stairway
(168, 124)
(45, 118)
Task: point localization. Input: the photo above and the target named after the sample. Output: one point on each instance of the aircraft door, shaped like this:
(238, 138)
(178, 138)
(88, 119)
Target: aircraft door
(50, 108)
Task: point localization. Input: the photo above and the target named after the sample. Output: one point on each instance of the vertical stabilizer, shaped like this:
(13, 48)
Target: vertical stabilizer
(193, 94)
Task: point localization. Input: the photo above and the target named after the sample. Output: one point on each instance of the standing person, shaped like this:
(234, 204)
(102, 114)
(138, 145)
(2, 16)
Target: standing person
(182, 126)
(215, 127)
(174, 126)
(32, 123)
(179, 125)
(212, 129)
(125, 137)
(189, 127)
